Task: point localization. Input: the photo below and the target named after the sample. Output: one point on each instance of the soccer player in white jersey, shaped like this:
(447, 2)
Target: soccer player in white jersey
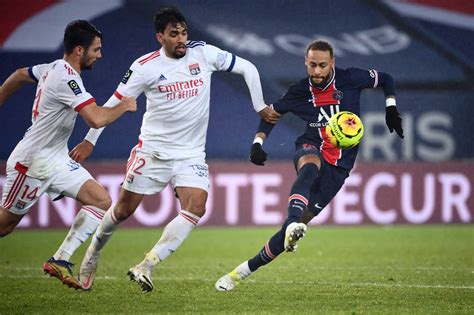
(40, 162)
(171, 149)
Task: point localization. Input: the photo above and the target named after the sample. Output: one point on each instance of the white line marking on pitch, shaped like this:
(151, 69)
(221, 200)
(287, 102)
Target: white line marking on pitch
(378, 284)
(355, 284)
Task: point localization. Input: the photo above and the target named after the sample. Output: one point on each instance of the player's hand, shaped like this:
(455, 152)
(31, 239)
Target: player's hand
(81, 151)
(257, 155)
(269, 115)
(393, 120)
(130, 103)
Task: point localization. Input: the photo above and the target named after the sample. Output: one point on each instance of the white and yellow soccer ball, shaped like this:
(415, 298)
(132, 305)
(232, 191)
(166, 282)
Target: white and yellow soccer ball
(345, 129)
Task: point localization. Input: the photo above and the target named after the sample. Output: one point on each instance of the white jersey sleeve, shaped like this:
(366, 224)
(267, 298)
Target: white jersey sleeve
(133, 82)
(37, 71)
(218, 59)
(221, 60)
(71, 92)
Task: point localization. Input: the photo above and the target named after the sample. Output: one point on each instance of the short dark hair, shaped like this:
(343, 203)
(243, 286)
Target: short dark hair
(168, 15)
(79, 33)
(321, 45)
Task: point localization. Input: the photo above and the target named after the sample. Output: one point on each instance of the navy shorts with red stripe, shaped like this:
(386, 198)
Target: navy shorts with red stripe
(329, 182)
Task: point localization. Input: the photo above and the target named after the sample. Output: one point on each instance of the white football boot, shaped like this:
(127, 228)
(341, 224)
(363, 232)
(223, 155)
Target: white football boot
(294, 232)
(142, 272)
(229, 281)
(88, 269)
(142, 276)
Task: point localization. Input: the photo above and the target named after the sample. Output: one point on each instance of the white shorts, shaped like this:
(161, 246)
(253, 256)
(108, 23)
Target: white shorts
(21, 192)
(147, 174)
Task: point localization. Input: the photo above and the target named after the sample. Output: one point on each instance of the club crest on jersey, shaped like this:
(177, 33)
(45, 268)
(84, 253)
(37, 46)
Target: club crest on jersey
(130, 178)
(127, 76)
(338, 95)
(74, 87)
(194, 69)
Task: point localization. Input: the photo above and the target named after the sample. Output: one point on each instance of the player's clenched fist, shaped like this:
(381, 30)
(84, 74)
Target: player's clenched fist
(130, 103)
(257, 155)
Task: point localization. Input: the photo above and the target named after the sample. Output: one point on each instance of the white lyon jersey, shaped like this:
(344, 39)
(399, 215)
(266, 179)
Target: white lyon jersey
(60, 95)
(178, 94)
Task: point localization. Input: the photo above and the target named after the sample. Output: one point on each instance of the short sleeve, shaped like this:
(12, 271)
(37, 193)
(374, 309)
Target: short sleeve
(364, 79)
(133, 82)
(72, 93)
(218, 59)
(37, 71)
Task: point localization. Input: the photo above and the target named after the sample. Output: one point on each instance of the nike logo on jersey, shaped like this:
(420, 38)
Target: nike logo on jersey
(318, 206)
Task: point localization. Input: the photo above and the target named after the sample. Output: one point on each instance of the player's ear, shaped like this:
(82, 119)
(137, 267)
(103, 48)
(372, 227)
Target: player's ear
(79, 50)
(159, 37)
(306, 60)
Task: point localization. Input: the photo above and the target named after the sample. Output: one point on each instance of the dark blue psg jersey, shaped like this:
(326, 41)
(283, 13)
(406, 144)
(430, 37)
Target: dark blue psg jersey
(316, 106)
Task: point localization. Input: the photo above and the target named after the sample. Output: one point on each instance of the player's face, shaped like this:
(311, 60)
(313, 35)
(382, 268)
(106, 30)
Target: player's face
(174, 39)
(319, 65)
(91, 55)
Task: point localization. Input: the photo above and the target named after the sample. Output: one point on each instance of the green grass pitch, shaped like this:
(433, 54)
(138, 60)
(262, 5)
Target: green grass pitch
(347, 270)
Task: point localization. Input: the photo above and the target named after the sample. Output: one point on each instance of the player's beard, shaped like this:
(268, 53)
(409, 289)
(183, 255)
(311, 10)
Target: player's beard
(86, 63)
(323, 82)
(179, 55)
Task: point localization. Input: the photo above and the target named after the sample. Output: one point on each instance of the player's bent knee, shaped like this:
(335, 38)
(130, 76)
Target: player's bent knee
(122, 213)
(309, 159)
(105, 203)
(199, 211)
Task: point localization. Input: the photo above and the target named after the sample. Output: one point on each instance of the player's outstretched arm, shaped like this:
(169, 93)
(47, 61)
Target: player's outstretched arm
(15, 81)
(252, 78)
(100, 116)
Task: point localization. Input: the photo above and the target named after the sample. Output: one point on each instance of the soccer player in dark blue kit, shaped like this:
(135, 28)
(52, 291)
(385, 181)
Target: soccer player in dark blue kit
(322, 168)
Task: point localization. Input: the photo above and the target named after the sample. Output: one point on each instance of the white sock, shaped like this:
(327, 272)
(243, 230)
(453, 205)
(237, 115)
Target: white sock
(105, 230)
(84, 225)
(243, 270)
(173, 235)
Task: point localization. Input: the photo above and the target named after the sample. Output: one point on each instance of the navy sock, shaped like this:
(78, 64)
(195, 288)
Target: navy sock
(271, 250)
(299, 195)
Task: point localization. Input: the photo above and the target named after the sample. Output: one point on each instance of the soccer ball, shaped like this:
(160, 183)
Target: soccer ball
(345, 129)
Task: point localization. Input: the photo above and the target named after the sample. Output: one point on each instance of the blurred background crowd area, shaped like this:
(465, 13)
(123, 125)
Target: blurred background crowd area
(427, 45)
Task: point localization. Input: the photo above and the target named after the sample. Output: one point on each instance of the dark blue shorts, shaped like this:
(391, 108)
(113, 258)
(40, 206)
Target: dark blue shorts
(329, 182)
